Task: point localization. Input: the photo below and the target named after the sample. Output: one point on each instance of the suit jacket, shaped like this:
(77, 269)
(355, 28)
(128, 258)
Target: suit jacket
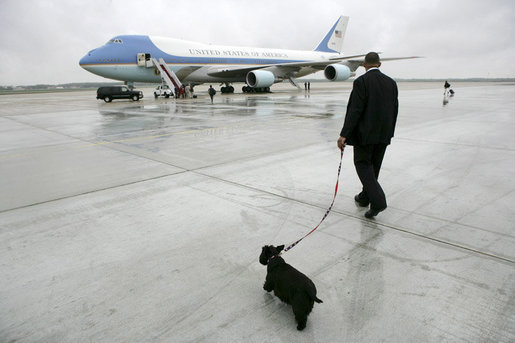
(372, 110)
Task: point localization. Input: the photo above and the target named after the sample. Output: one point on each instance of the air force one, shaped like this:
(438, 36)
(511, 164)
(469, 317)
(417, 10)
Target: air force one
(136, 58)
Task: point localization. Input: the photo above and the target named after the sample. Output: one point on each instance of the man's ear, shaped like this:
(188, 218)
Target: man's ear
(280, 248)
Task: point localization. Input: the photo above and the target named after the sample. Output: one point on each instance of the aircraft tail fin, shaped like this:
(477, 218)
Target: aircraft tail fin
(333, 41)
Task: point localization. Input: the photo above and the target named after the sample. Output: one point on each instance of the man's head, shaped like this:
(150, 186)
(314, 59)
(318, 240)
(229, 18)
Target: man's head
(372, 60)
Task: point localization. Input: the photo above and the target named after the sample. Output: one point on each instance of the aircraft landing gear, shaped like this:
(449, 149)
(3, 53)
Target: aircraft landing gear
(248, 89)
(227, 89)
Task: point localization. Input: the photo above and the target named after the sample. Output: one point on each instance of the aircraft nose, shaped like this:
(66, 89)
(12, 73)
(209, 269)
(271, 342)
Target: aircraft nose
(87, 59)
(83, 61)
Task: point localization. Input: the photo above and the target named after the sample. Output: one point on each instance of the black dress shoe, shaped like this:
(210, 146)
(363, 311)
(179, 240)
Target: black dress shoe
(360, 201)
(372, 213)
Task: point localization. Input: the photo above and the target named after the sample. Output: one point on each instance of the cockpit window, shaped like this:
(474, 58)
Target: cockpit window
(117, 41)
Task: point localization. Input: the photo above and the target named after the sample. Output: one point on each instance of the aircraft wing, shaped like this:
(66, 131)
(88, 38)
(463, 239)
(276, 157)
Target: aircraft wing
(231, 72)
(354, 64)
(399, 58)
(184, 72)
(283, 69)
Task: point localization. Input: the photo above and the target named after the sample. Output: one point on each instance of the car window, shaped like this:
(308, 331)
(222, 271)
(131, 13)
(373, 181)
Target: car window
(125, 89)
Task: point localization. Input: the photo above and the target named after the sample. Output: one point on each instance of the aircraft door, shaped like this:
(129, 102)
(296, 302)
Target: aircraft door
(143, 59)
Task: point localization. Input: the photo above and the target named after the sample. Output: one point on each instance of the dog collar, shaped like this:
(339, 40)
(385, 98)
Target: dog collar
(271, 258)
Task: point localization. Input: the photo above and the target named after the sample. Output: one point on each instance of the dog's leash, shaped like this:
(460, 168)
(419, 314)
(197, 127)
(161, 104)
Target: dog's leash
(326, 213)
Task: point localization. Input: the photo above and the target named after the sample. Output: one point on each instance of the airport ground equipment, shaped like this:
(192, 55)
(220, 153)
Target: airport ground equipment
(167, 75)
(163, 90)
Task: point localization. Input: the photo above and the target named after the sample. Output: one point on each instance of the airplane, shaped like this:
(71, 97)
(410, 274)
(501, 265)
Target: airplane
(154, 59)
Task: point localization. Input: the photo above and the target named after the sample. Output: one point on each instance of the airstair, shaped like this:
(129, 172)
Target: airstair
(294, 82)
(167, 74)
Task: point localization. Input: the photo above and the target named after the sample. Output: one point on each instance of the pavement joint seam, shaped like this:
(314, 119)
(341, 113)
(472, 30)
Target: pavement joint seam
(399, 229)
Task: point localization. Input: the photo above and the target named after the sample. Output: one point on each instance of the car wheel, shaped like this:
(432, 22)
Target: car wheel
(155, 95)
(108, 99)
(135, 98)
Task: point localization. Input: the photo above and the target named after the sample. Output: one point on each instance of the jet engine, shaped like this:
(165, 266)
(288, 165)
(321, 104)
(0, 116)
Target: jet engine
(337, 72)
(260, 78)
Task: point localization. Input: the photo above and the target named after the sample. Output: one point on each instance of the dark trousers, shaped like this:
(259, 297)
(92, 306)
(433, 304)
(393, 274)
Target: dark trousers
(368, 160)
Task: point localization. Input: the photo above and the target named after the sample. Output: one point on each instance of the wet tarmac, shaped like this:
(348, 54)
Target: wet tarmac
(143, 221)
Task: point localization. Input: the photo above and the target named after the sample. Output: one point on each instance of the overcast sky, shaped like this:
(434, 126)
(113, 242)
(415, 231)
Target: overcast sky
(41, 41)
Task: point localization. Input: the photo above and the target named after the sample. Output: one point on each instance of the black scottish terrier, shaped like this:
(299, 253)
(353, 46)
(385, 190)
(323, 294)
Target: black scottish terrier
(288, 284)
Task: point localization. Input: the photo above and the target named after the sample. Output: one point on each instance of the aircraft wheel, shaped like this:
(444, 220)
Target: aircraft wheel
(231, 89)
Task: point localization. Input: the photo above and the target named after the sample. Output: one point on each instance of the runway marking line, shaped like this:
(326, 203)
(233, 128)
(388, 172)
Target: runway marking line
(155, 136)
(90, 144)
(85, 143)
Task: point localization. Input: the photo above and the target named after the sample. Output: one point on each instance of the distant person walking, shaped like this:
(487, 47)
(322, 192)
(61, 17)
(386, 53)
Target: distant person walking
(211, 92)
(446, 86)
(369, 126)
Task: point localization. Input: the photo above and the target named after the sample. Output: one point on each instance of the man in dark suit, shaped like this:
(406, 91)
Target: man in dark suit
(369, 126)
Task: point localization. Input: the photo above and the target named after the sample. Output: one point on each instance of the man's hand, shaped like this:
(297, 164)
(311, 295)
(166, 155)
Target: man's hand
(341, 143)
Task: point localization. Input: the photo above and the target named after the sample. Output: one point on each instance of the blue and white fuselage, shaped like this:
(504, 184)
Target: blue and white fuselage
(129, 58)
(195, 63)
(117, 59)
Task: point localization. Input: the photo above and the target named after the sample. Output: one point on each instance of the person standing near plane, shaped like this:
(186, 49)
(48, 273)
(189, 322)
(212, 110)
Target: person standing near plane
(211, 92)
(446, 86)
(369, 126)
